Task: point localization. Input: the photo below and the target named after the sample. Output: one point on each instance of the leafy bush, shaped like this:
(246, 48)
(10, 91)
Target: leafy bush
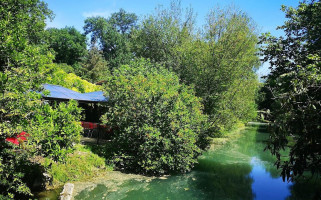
(11, 174)
(54, 129)
(158, 123)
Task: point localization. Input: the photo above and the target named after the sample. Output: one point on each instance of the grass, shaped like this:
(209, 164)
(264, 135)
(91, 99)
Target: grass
(226, 136)
(78, 166)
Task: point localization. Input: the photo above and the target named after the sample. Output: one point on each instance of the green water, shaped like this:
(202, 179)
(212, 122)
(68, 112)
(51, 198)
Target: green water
(240, 169)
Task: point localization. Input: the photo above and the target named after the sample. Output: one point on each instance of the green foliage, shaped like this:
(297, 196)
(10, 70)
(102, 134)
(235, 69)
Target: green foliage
(158, 123)
(12, 173)
(55, 129)
(78, 166)
(68, 43)
(226, 79)
(123, 21)
(21, 21)
(24, 67)
(112, 36)
(95, 67)
(264, 102)
(159, 35)
(236, 105)
(22, 64)
(293, 86)
(58, 76)
(219, 63)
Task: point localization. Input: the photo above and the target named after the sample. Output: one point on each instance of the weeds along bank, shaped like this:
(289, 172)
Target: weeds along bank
(81, 165)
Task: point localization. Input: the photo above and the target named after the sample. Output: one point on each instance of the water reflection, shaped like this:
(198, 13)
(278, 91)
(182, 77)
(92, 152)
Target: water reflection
(264, 185)
(239, 170)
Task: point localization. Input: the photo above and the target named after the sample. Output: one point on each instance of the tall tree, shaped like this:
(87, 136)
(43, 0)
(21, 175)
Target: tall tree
(21, 27)
(295, 82)
(68, 43)
(112, 35)
(123, 22)
(95, 67)
(24, 63)
(219, 62)
(159, 35)
(227, 81)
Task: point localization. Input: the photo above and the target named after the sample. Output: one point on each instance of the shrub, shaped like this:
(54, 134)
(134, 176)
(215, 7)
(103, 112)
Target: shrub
(158, 123)
(12, 174)
(54, 129)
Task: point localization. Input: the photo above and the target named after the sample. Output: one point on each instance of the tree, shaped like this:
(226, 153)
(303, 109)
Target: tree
(21, 27)
(159, 35)
(68, 43)
(294, 83)
(95, 67)
(111, 36)
(123, 22)
(220, 62)
(20, 21)
(24, 64)
(227, 81)
(158, 123)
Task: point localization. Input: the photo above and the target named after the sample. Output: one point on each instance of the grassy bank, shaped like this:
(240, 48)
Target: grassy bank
(226, 136)
(82, 165)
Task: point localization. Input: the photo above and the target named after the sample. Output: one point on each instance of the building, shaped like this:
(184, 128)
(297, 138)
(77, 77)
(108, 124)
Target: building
(88, 101)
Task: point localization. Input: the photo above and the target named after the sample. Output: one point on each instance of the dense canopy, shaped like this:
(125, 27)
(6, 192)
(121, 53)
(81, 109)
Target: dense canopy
(293, 90)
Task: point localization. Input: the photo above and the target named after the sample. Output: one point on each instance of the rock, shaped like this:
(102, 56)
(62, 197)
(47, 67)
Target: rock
(66, 193)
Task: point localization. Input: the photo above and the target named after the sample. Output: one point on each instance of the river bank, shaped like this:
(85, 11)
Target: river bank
(219, 142)
(239, 169)
(112, 179)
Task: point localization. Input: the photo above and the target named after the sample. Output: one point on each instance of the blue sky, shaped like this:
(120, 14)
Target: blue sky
(266, 13)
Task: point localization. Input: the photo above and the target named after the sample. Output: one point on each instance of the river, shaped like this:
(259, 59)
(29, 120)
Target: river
(240, 169)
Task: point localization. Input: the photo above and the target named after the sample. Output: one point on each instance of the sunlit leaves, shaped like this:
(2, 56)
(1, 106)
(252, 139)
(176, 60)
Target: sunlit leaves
(68, 43)
(293, 87)
(159, 124)
(112, 35)
(24, 67)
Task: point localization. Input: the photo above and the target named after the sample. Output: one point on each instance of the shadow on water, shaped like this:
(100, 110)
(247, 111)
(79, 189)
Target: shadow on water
(306, 189)
(49, 194)
(241, 169)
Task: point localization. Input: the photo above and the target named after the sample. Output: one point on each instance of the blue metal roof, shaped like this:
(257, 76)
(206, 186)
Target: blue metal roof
(59, 92)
